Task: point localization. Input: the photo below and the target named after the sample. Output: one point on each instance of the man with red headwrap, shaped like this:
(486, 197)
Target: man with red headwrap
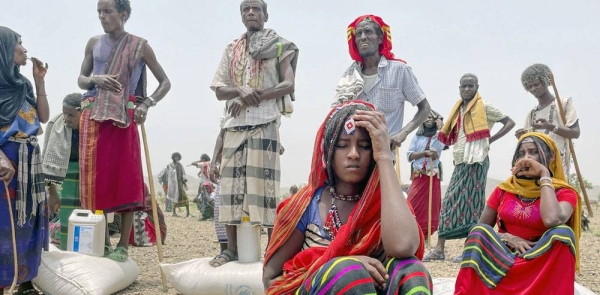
(380, 78)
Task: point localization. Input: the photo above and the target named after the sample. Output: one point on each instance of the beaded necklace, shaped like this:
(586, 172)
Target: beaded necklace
(526, 201)
(333, 221)
(344, 197)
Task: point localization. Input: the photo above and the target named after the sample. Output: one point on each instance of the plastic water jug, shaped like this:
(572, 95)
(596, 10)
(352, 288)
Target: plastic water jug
(110, 217)
(87, 232)
(248, 238)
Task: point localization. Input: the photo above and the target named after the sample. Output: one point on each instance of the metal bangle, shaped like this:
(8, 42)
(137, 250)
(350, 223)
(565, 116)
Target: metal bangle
(152, 100)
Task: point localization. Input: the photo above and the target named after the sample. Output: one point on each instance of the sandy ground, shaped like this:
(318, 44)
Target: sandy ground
(188, 238)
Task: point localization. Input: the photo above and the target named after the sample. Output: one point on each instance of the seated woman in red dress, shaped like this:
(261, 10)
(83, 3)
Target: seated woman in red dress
(538, 216)
(349, 230)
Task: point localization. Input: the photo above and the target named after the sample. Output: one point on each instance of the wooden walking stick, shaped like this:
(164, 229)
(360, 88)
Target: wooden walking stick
(398, 166)
(429, 204)
(571, 148)
(154, 209)
(14, 240)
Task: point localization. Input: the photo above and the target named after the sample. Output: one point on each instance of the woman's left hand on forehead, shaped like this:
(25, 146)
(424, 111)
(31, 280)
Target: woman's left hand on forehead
(374, 122)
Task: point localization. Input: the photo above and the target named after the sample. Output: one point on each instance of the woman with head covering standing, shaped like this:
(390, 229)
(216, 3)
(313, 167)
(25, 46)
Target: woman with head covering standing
(535, 249)
(21, 112)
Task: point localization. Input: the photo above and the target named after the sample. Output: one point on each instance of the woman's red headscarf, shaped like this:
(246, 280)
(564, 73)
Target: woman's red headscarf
(361, 235)
(385, 48)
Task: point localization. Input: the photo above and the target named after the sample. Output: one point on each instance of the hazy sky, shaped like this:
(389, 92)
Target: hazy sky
(441, 40)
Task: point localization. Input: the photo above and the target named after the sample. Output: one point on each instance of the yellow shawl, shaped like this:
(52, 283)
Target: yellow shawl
(474, 122)
(528, 188)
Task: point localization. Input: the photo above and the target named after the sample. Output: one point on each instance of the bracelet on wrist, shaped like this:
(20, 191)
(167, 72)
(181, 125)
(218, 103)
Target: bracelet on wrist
(546, 184)
(555, 129)
(502, 237)
(152, 101)
(546, 178)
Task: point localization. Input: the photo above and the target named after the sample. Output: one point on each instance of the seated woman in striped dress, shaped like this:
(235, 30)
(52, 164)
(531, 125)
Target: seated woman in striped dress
(350, 230)
(538, 216)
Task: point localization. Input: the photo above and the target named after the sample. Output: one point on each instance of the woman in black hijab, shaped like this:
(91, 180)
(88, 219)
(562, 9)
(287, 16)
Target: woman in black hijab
(21, 113)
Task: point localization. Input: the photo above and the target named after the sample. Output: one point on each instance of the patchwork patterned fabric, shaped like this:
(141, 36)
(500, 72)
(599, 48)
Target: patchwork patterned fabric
(250, 175)
(464, 200)
(139, 235)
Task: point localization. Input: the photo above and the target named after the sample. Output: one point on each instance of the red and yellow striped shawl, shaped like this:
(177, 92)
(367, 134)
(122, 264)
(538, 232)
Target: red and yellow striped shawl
(361, 235)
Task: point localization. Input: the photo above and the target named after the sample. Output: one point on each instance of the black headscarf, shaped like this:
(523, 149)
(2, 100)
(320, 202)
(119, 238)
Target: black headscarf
(204, 158)
(175, 155)
(15, 89)
(422, 131)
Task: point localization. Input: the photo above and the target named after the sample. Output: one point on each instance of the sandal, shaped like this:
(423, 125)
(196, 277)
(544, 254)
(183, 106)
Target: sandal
(30, 292)
(108, 250)
(432, 256)
(120, 254)
(28, 289)
(226, 255)
(457, 259)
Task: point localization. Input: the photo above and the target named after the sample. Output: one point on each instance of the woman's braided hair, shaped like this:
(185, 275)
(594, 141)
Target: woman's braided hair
(332, 132)
(544, 151)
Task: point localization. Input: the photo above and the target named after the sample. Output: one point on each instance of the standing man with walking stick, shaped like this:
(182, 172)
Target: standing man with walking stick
(425, 194)
(559, 121)
(545, 117)
(113, 72)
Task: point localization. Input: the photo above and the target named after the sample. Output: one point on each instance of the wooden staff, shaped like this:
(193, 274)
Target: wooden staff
(154, 208)
(429, 204)
(571, 148)
(398, 167)
(14, 239)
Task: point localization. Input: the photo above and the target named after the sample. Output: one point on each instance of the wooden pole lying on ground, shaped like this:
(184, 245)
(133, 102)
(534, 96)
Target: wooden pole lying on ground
(429, 204)
(14, 239)
(571, 147)
(154, 208)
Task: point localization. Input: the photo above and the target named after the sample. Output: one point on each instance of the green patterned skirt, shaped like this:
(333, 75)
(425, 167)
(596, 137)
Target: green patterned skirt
(464, 200)
(69, 201)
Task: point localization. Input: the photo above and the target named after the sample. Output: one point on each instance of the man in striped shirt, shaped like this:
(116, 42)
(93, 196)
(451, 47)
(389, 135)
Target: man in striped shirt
(378, 77)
